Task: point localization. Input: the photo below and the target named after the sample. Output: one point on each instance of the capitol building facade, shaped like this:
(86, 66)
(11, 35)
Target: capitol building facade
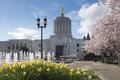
(61, 43)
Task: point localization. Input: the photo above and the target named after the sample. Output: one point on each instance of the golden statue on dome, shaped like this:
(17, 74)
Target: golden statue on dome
(62, 11)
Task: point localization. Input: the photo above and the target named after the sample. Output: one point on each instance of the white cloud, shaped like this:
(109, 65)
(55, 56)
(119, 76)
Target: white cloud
(89, 15)
(86, 16)
(73, 15)
(24, 33)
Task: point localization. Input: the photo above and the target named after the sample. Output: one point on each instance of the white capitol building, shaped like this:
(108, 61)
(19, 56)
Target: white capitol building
(61, 43)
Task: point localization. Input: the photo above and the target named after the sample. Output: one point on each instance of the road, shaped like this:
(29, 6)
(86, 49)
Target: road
(105, 71)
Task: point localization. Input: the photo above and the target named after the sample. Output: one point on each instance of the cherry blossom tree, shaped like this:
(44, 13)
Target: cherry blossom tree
(106, 31)
(112, 5)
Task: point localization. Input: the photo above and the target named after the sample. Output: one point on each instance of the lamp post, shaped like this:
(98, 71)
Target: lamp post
(41, 26)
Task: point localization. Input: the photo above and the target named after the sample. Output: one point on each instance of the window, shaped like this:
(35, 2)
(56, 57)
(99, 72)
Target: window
(8, 47)
(21, 44)
(13, 46)
(77, 50)
(83, 48)
(17, 46)
(25, 45)
(77, 45)
(39, 45)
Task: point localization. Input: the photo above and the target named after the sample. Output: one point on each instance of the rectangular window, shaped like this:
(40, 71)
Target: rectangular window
(77, 45)
(39, 45)
(77, 50)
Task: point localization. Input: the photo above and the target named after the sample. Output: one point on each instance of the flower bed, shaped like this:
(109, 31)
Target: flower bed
(43, 70)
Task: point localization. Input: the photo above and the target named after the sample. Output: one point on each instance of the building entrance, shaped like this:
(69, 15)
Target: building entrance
(59, 51)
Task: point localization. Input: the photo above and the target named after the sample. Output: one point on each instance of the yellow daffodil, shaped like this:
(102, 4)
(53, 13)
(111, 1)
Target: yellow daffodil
(1, 70)
(71, 73)
(23, 66)
(38, 66)
(89, 77)
(83, 69)
(48, 69)
(39, 69)
(13, 70)
(84, 73)
(24, 73)
(6, 75)
(78, 72)
(72, 69)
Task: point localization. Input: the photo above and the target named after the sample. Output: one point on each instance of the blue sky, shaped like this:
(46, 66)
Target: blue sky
(19, 16)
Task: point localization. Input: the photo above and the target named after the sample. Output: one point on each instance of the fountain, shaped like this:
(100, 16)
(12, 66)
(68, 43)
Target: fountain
(20, 56)
(8, 57)
(31, 56)
(49, 56)
(0, 56)
(15, 57)
(39, 55)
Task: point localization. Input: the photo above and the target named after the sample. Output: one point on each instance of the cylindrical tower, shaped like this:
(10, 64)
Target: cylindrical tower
(62, 25)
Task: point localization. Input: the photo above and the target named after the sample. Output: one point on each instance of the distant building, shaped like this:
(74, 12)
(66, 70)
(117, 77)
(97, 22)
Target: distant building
(61, 43)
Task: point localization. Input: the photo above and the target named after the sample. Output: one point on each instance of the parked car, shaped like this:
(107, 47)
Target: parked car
(112, 60)
(69, 60)
(57, 60)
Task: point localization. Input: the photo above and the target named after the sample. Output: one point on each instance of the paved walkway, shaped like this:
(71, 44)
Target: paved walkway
(105, 71)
